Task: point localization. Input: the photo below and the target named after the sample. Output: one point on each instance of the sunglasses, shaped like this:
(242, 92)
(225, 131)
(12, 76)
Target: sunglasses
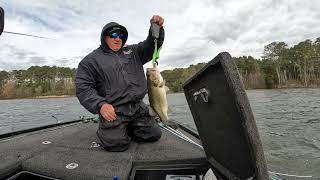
(115, 35)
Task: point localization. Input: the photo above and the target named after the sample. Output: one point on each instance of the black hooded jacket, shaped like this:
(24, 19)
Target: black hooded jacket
(116, 78)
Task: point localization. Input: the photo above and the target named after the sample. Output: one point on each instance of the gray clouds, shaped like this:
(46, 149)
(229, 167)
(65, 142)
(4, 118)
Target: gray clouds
(12, 58)
(195, 30)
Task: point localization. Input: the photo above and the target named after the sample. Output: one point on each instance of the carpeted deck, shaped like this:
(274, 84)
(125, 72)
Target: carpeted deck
(75, 144)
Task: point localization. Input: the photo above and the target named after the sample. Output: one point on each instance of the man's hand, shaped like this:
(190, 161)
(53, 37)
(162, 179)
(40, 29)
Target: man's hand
(157, 19)
(107, 112)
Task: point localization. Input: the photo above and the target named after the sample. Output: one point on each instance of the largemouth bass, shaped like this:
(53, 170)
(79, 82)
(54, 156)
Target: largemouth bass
(157, 92)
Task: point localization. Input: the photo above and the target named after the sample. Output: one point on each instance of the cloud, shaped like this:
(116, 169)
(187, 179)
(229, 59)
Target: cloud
(195, 30)
(12, 58)
(37, 60)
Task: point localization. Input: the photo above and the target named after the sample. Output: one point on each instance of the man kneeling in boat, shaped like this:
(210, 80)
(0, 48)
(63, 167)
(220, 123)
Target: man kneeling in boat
(110, 81)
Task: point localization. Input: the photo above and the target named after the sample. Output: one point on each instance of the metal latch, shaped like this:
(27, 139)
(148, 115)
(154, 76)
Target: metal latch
(204, 94)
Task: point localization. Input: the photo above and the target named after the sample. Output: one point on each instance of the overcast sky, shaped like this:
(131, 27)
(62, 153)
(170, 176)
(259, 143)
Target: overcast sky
(196, 31)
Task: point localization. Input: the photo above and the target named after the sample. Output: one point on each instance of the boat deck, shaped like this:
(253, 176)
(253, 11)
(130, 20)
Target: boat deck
(74, 143)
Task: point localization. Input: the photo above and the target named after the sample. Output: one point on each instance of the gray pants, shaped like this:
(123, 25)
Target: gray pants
(117, 135)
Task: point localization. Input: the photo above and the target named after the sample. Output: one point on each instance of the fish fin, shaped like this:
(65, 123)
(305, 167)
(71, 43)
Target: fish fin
(167, 89)
(162, 84)
(155, 84)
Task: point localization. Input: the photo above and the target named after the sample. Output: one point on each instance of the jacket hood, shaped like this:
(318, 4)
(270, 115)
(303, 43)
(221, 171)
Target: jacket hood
(107, 28)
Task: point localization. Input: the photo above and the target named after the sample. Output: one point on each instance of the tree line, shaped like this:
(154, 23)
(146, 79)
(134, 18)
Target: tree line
(37, 81)
(280, 67)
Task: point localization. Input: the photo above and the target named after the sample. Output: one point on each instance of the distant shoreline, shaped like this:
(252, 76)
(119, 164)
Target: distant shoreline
(68, 96)
(50, 97)
(43, 97)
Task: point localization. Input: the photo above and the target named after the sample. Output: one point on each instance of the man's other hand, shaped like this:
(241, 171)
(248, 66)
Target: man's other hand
(107, 112)
(157, 19)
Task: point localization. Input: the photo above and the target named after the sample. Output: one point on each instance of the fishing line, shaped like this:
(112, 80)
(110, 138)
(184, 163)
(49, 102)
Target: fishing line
(179, 134)
(184, 138)
(290, 175)
(8, 32)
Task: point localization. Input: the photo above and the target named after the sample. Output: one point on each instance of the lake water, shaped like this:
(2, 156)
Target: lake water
(288, 122)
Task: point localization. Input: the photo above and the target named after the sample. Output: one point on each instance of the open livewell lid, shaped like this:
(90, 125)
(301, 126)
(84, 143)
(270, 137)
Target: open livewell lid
(223, 117)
